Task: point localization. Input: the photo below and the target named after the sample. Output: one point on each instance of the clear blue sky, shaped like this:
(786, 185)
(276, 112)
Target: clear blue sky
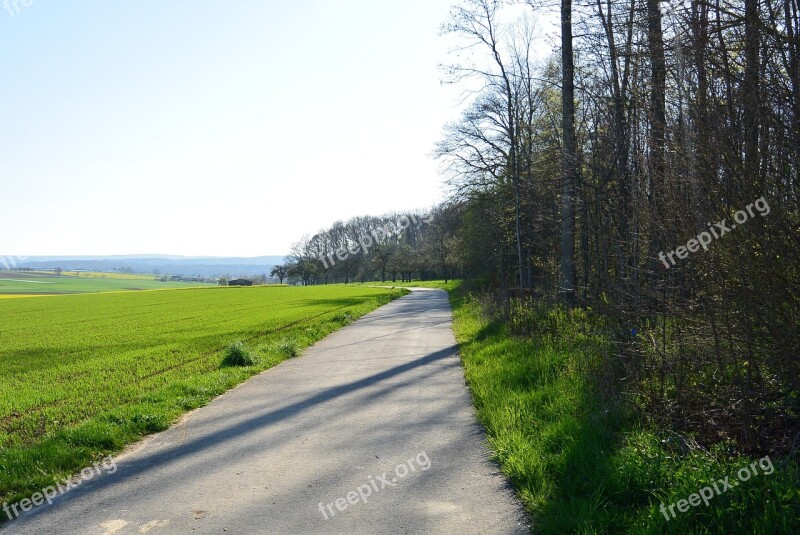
(203, 127)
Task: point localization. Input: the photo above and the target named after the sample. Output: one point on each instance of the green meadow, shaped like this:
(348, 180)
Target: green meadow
(83, 375)
(37, 283)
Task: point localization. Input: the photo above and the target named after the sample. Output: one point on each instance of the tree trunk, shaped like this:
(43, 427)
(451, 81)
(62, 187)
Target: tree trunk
(750, 97)
(566, 284)
(658, 70)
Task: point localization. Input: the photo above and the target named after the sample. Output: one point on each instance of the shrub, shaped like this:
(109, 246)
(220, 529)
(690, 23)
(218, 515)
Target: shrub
(238, 355)
(343, 319)
(288, 347)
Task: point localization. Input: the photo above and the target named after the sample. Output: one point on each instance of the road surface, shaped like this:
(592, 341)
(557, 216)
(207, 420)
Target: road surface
(370, 431)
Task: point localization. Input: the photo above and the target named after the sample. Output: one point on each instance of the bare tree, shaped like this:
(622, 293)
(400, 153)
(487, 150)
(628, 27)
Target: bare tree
(281, 271)
(477, 22)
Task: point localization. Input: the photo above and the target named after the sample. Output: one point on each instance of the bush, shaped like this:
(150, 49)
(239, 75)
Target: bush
(288, 347)
(343, 319)
(238, 355)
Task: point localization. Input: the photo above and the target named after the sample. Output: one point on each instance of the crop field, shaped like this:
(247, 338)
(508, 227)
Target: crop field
(37, 283)
(104, 275)
(85, 374)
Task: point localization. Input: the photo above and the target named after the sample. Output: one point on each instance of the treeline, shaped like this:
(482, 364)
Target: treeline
(392, 247)
(649, 171)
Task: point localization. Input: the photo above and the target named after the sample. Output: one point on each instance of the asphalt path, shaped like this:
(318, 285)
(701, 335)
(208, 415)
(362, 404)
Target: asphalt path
(371, 430)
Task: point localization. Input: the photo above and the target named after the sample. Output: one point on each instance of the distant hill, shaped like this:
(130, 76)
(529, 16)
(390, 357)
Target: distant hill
(159, 264)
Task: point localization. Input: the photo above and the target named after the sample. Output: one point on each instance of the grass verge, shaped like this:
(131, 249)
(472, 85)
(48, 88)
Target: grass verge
(440, 284)
(583, 464)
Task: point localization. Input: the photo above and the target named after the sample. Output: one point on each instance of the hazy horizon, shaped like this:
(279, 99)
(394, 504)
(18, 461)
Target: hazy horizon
(160, 256)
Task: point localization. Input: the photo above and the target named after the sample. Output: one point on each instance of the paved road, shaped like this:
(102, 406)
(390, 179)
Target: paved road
(371, 431)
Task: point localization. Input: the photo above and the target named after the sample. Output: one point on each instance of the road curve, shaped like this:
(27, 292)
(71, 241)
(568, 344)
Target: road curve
(370, 431)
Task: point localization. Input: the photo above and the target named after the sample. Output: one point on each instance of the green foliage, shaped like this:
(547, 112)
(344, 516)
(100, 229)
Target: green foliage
(238, 355)
(344, 318)
(288, 348)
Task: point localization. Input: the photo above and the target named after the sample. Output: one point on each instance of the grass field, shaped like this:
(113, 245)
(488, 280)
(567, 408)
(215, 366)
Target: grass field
(440, 284)
(581, 463)
(36, 283)
(85, 374)
(103, 275)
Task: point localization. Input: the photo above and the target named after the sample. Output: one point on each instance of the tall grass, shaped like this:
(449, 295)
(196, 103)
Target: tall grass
(580, 459)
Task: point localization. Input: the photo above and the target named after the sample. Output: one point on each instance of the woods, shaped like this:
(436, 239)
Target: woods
(572, 175)
(673, 116)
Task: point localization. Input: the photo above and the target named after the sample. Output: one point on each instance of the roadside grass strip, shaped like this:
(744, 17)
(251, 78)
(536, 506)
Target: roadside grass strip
(583, 463)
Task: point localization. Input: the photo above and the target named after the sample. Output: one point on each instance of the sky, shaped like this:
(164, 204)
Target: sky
(214, 128)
